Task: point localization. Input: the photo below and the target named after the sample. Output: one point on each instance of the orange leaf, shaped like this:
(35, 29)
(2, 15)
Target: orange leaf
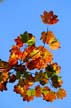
(4, 76)
(49, 17)
(19, 42)
(49, 38)
(50, 96)
(61, 93)
(38, 91)
(55, 45)
(3, 86)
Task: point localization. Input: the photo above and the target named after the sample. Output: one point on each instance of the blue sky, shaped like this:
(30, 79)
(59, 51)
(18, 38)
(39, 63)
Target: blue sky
(17, 16)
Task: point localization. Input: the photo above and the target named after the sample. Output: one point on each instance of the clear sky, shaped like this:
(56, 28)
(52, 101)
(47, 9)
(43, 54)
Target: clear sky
(17, 16)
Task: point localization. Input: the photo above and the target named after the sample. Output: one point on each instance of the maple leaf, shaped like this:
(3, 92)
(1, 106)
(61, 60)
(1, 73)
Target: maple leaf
(35, 54)
(27, 38)
(41, 57)
(50, 39)
(56, 68)
(13, 59)
(20, 90)
(27, 52)
(31, 39)
(24, 37)
(4, 66)
(61, 93)
(49, 17)
(3, 86)
(19, 42)
(54, 45)
(49, 96)
(15, 55)
(15, 52)
(4, 76)
(31, 64)
(28, 98)
(38, 91)
(56, 81)
(12, 78)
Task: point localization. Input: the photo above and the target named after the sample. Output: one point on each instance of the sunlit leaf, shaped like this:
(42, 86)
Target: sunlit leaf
(49, 17)
(31, 41)
(50, 39)
(33, 92)
(28, 92)
(61, 93)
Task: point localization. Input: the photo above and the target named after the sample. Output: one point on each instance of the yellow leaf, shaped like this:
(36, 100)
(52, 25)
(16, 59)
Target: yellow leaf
(54, 45)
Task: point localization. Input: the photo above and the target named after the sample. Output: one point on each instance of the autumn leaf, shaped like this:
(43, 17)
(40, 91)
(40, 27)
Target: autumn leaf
(49, 96)
(3, 86)
(13, 59)
(56, 68)
(4, 66)
(56, 81)
(35, 54)
(50, 39)
(15, 52)
(12, 78)
(4, 76)
(49, 17)
(61, 93)
(38, 91)
(19, 42)
(54, 45)
(28, 98)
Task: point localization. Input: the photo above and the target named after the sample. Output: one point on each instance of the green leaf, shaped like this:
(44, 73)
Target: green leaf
(54, 78)
(26, 74)
(33, 92)
(18, 75)
(49, 73)
(45, 73)
(30, 42)
(24, 37)
(28, 92)
(44, 91)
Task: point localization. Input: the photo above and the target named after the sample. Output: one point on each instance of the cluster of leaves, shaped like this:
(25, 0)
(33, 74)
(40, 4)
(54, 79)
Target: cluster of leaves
(25, 57)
